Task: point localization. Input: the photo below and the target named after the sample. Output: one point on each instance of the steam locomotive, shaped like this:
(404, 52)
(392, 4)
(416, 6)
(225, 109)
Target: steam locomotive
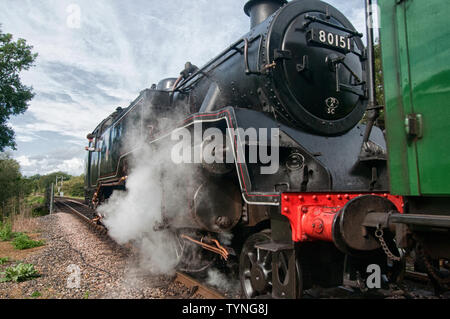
(327, 213)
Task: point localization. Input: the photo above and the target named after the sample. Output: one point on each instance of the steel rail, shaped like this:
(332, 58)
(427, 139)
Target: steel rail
(199, 288)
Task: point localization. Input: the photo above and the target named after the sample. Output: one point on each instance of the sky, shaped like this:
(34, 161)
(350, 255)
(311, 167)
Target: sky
(97, 55)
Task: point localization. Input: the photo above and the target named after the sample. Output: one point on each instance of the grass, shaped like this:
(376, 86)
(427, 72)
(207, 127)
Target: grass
(24, 222)
(37, 205)
(35, 200)
(22, 241)
(19, 273)
(19, 240)
(36, 294)
(75, 197)
(20, 217)
(4, 260)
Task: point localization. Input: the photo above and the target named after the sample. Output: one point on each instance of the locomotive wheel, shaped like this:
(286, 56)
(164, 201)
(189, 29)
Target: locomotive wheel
(255, 269)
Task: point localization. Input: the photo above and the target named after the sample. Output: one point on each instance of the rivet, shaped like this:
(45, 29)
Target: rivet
(315, 197)
(328, 197)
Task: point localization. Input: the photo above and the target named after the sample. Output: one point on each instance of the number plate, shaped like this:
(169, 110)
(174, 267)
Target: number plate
(330, 39)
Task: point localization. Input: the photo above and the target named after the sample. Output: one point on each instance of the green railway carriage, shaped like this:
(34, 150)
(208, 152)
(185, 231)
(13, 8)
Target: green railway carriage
(415, 44)
(415, 39)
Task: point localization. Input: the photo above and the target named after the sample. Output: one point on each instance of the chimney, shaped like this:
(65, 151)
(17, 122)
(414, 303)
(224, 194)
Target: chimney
(260, 10)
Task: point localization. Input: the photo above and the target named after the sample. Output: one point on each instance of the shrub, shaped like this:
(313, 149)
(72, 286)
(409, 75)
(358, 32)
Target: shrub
(22, 241)
(14, 235)
(74, 186)
(39, 211)
(19, 273)
(5, 231)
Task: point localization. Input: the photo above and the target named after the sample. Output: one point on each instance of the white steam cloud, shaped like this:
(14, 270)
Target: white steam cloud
(221, 281)
(131, 215)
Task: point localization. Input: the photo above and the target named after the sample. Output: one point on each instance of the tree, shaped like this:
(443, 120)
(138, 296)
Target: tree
(75, 186)
(34, 182)
(10, 181)
(379, 74)
(46, 180)
(379, 85)
(14, 96)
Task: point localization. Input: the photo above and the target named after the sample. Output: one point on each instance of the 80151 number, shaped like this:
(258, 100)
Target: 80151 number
(331, 39)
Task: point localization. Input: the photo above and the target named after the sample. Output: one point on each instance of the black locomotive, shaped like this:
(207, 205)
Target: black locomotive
(303, 71)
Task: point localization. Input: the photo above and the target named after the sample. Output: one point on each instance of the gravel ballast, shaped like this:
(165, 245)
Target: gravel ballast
(106, 270)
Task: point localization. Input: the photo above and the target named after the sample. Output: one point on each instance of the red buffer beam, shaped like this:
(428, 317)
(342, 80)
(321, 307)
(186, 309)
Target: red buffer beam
(312, 215)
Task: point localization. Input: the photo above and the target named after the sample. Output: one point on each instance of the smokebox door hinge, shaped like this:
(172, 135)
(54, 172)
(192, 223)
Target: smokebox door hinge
(282, 54)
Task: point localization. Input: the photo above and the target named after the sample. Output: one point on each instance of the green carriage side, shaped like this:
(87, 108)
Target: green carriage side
(415, 43)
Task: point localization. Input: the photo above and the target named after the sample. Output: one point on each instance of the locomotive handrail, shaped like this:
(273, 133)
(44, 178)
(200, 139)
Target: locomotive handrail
(247, 66)
(232, 47)
(207, 65)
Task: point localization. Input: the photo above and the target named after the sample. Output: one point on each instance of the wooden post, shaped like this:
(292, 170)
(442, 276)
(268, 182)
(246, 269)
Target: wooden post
(51, 200)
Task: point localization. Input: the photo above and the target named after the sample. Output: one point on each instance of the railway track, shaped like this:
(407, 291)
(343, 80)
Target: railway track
(195, 287)
(198, 288)
(87, 216)
(82, 211)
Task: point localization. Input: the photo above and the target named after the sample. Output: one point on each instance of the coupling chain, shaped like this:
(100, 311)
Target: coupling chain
(379, 234)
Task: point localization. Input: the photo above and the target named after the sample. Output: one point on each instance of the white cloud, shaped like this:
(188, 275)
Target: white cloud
(72, 166)
(47, 165)
(25, 138)
(25, 161)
